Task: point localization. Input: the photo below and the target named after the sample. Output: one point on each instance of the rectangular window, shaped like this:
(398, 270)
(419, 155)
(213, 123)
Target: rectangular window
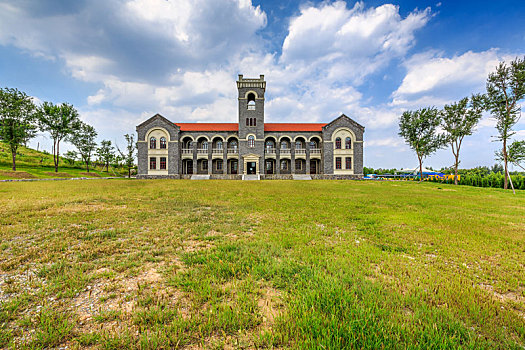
(338, 163)
(219, 165)
(348, 161)
(204, 165)
(247, 121)
(298, 164)
(153, 163)
(163, 163)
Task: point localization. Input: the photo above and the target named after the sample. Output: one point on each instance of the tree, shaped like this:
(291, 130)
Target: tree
(505, 88)
(71, 157)
(16, 119)
(459, 120)
(60, 121)
(84, 139)
(418, 128)
(105, 153)
(516, 153)
(129, 154)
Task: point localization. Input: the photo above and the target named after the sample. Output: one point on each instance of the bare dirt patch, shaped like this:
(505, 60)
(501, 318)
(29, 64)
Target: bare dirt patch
(59, 174)
(90, 174)
(17, 174)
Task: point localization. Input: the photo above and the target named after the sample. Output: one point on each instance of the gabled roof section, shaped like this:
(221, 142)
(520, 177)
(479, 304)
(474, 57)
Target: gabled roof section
(156, 116)
(294, 126)
(208, 126)
(348, 119)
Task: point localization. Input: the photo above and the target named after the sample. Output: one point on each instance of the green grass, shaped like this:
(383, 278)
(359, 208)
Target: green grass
(32, 164)
(268, 264)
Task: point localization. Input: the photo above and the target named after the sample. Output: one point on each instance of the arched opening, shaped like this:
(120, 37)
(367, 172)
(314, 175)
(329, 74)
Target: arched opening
(187, 143)
(315, 143)
(251, 101)
(348, 143)
(152, 143)
(300, 143)
(163, 142)
(251, 141)
(233, 145)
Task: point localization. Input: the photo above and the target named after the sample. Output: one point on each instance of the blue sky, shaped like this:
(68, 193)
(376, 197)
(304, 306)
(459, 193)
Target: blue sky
(121, 61)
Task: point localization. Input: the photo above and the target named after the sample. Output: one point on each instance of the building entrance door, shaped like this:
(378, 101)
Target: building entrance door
(313, 167)
(251, 168)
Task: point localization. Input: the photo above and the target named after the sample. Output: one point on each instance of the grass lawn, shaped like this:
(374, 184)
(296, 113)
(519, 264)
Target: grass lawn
(32, 164)
(273, 264)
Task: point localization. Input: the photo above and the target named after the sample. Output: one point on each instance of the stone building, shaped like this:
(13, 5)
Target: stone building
(250, 148)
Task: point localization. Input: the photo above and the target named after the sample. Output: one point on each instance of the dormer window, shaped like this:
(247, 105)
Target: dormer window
(251, 101)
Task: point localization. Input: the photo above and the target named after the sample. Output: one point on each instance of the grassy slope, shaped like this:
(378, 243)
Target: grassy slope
(151, 264)
(28, 165)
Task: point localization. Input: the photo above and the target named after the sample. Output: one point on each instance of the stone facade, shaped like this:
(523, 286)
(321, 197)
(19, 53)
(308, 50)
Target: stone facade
(251, 146)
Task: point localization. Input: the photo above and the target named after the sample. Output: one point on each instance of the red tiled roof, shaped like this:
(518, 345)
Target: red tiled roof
(235, 126)
(208, 126)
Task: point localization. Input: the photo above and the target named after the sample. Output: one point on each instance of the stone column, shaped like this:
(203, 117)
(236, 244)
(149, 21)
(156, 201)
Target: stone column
(195, 158)
(210, 162)
(225, 161)
(292, 159)
(307, 165)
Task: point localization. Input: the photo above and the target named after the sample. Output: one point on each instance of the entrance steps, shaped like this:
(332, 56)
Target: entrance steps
(301, 177)
(200, 177)
(251, 177)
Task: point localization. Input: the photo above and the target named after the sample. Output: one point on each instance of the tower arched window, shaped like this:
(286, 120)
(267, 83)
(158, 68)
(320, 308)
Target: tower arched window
(163, 142)
(152, 142)
(338, 143)
(348, 143)
(251, 101)
(251, 141)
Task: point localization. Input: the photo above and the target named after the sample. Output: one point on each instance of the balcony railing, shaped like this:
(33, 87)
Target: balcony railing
(300, 151)
(202, 151)
(269, 150)
(233, 150)
(217, 151)
(187, 151)
(315, 151)
(285, 151)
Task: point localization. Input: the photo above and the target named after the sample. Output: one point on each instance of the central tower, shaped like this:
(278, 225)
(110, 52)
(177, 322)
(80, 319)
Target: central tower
(251, 107)
(251, 124)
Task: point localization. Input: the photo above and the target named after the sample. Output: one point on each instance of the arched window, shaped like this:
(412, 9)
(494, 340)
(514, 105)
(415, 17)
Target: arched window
(313, 144)
(233, 145)
(219, 144)
(163, 142)
(251, 101)
(152, 142)
(338, 143)
(205, 145)
(251, 141)
(284, 144)
(269, 145)
(298, 145)
(348, 143)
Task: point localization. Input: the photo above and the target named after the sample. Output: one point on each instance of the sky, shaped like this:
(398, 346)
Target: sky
(120, 62)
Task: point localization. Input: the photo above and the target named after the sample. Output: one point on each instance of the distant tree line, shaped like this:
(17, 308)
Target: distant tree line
(21, 119)
(428, 129)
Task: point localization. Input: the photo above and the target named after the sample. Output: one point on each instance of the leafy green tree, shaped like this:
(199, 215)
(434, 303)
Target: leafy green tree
(105, 153)
(129, 154)
(17, 124)
(505, 88)
(516, 153)
(84, 139)
(60, 121)
(459, 120)
(418, 128)
(71, 157)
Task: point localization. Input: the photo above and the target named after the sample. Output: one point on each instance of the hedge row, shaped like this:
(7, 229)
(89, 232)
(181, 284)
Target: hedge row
(495, 180)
